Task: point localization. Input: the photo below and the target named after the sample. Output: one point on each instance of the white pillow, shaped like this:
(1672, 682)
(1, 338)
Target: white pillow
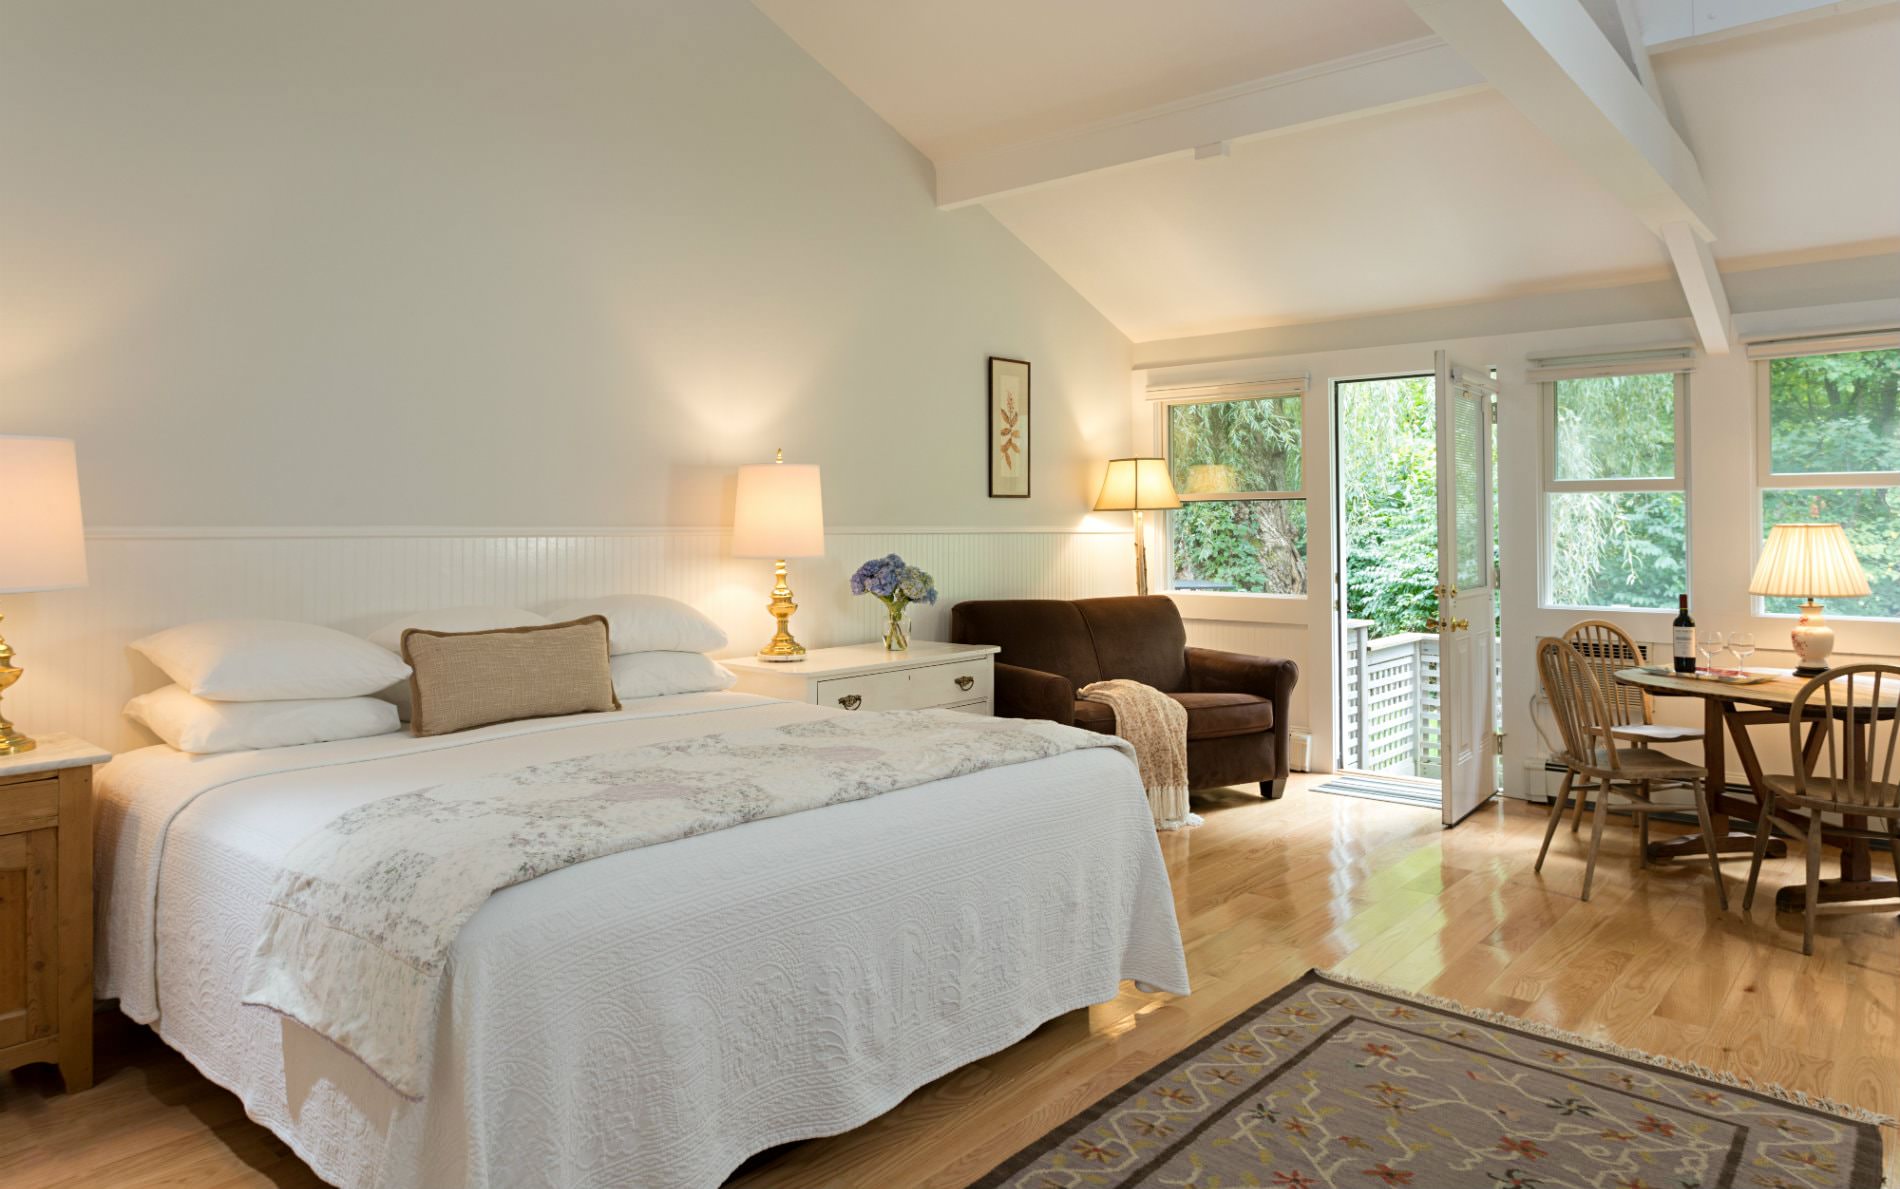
(646, 623)
(455, 619)
(265, 660)
(651, 674)
(203, 727)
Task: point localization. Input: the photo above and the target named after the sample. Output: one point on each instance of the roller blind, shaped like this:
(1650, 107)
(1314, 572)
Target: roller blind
(1249, 390)
(1831, 344)
(1648, 361)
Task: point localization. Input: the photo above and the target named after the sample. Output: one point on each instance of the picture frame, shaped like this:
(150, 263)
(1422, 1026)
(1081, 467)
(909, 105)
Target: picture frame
(1009, 442)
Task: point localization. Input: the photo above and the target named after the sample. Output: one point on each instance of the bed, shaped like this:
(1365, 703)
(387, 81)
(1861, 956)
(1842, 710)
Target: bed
(654, 1017)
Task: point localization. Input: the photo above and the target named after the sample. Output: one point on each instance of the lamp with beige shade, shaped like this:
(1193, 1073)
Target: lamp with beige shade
(779, 514)
(1809, 562)
(43, 542)
(1137, 485)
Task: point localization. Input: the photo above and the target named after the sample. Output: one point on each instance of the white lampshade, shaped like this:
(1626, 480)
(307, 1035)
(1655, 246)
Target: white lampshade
(780, 512)
(42, 536)
(1136, 484)
(1808, 561)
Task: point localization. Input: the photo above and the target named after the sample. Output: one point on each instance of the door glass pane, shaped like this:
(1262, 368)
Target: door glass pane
(1871, 516)
(1219, 447)
(1467, 491)
(1617, 549)
(1834, 413)
(1617, 427)
(1251, 546)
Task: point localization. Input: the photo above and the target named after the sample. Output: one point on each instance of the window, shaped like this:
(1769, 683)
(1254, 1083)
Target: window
(1237, 466)
(1829, 450)
(1615, 509)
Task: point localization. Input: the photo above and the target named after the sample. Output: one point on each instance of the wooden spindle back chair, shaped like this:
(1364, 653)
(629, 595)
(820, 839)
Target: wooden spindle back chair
(1844, 725)
(1606, 648)
(1591, 753)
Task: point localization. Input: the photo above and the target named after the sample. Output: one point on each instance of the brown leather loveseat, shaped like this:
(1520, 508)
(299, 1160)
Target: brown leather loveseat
(1236, 704)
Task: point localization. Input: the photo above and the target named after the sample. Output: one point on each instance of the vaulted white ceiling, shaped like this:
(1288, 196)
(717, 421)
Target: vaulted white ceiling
(1449, 196)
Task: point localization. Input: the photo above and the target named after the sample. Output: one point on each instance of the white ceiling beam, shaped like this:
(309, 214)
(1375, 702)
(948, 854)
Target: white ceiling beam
(1701, 286)
(1555, 66)
(1393, 77)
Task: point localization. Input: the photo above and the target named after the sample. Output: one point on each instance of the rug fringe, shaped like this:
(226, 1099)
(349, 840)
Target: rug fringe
(1780, 1093)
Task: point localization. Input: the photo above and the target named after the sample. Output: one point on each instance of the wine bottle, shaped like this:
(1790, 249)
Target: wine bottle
(1684, 637)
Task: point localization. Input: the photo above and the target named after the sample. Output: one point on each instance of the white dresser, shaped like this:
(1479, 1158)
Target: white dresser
(866, 677)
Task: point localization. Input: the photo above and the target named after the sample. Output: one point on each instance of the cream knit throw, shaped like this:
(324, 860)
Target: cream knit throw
(1157, 727)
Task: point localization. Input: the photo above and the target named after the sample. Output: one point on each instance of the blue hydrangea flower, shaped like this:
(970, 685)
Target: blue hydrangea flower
(895, 581)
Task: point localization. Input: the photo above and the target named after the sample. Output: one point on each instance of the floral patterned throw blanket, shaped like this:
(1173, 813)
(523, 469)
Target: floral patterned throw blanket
(361, 919)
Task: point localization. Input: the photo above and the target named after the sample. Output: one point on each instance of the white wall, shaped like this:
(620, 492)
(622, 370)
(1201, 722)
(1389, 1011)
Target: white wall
(1723, 505)
(487, 263)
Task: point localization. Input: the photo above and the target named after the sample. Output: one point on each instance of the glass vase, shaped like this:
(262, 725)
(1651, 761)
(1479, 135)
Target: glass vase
(897, 630)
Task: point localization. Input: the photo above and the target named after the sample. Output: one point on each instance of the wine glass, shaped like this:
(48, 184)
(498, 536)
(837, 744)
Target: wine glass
(1742, 644)
(1709, 644)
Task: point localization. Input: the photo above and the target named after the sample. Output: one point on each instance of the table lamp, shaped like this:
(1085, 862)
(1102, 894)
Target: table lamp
(779, 514)
(1810, 562)
(1137, 485)
(42, 542)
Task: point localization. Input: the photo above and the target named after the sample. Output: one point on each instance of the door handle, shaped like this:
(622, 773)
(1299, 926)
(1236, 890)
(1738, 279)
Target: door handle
(965, 682)
(851, 701)
(1435, 624)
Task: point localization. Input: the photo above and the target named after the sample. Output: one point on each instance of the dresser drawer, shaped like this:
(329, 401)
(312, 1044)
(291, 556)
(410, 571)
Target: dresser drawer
(910, 689)
(29, 805)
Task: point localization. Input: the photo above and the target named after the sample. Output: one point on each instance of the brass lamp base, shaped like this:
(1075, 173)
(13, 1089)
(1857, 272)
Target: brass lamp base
(782, 648)
(11, 741)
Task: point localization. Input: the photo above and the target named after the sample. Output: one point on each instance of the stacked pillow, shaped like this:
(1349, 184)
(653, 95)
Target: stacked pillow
(658, 644)
(240, 684)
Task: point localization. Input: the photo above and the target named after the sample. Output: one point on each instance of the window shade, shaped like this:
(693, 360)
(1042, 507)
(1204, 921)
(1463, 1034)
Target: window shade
(1832, 344)
(1621, 363)
(1249, 390)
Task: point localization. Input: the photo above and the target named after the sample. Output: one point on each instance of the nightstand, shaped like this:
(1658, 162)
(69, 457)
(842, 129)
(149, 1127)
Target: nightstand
(46, 906)
(867, 677)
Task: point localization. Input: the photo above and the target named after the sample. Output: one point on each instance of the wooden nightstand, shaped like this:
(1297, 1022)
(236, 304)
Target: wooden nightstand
(866, 677)
(46, 906)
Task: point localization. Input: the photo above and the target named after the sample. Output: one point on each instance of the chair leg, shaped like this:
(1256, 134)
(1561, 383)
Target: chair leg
(1596, 834)
(1556, 815)
(1814, 886)
(1763, 827)
(1642, 840)
(1708, 840)
(1583, 799)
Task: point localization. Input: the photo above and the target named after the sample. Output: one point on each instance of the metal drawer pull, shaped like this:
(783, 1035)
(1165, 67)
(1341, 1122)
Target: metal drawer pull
(965, 681)
(851, 701)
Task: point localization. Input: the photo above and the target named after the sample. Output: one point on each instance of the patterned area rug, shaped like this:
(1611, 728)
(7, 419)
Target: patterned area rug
(1334, 1083)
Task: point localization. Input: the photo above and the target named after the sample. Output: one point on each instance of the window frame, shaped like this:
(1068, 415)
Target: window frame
(1166, 399)
(1552, 485)
(1767, 479)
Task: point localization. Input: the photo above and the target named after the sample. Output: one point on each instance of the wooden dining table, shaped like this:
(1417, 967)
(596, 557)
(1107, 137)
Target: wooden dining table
(1730, 709)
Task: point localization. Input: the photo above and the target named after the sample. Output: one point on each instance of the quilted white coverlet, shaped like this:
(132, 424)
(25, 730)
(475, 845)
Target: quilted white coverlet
(361, 920)
(653, 1017)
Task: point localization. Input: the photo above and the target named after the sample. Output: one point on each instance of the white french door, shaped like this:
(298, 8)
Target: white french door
(1467, 641)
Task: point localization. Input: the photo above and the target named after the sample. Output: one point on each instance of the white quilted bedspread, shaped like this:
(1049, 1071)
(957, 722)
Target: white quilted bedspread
(651, 1018)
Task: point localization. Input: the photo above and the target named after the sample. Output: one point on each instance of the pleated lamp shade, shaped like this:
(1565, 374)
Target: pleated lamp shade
(1135, 485)
(1808, 561)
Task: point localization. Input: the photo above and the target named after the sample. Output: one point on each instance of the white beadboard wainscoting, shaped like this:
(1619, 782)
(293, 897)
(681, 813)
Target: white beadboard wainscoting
(79, 673)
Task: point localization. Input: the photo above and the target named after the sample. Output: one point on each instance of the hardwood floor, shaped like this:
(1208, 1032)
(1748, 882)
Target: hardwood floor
(1265, 890)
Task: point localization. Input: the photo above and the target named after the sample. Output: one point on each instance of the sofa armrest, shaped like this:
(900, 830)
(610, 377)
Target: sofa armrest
(1032, 693)
(1212, 671)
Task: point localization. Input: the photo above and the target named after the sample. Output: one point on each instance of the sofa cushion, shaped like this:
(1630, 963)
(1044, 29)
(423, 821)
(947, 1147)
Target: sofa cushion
(1216, 716)
(1210, 716)
(1094, 716)
(1140, 639)
(1045, 634)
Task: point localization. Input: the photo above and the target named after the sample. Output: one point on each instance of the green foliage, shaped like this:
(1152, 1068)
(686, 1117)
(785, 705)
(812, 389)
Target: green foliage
(1389, 484)
(1257, 546)
(1840, 414)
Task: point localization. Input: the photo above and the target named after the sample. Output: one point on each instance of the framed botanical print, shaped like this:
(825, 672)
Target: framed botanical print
(1009, 428)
